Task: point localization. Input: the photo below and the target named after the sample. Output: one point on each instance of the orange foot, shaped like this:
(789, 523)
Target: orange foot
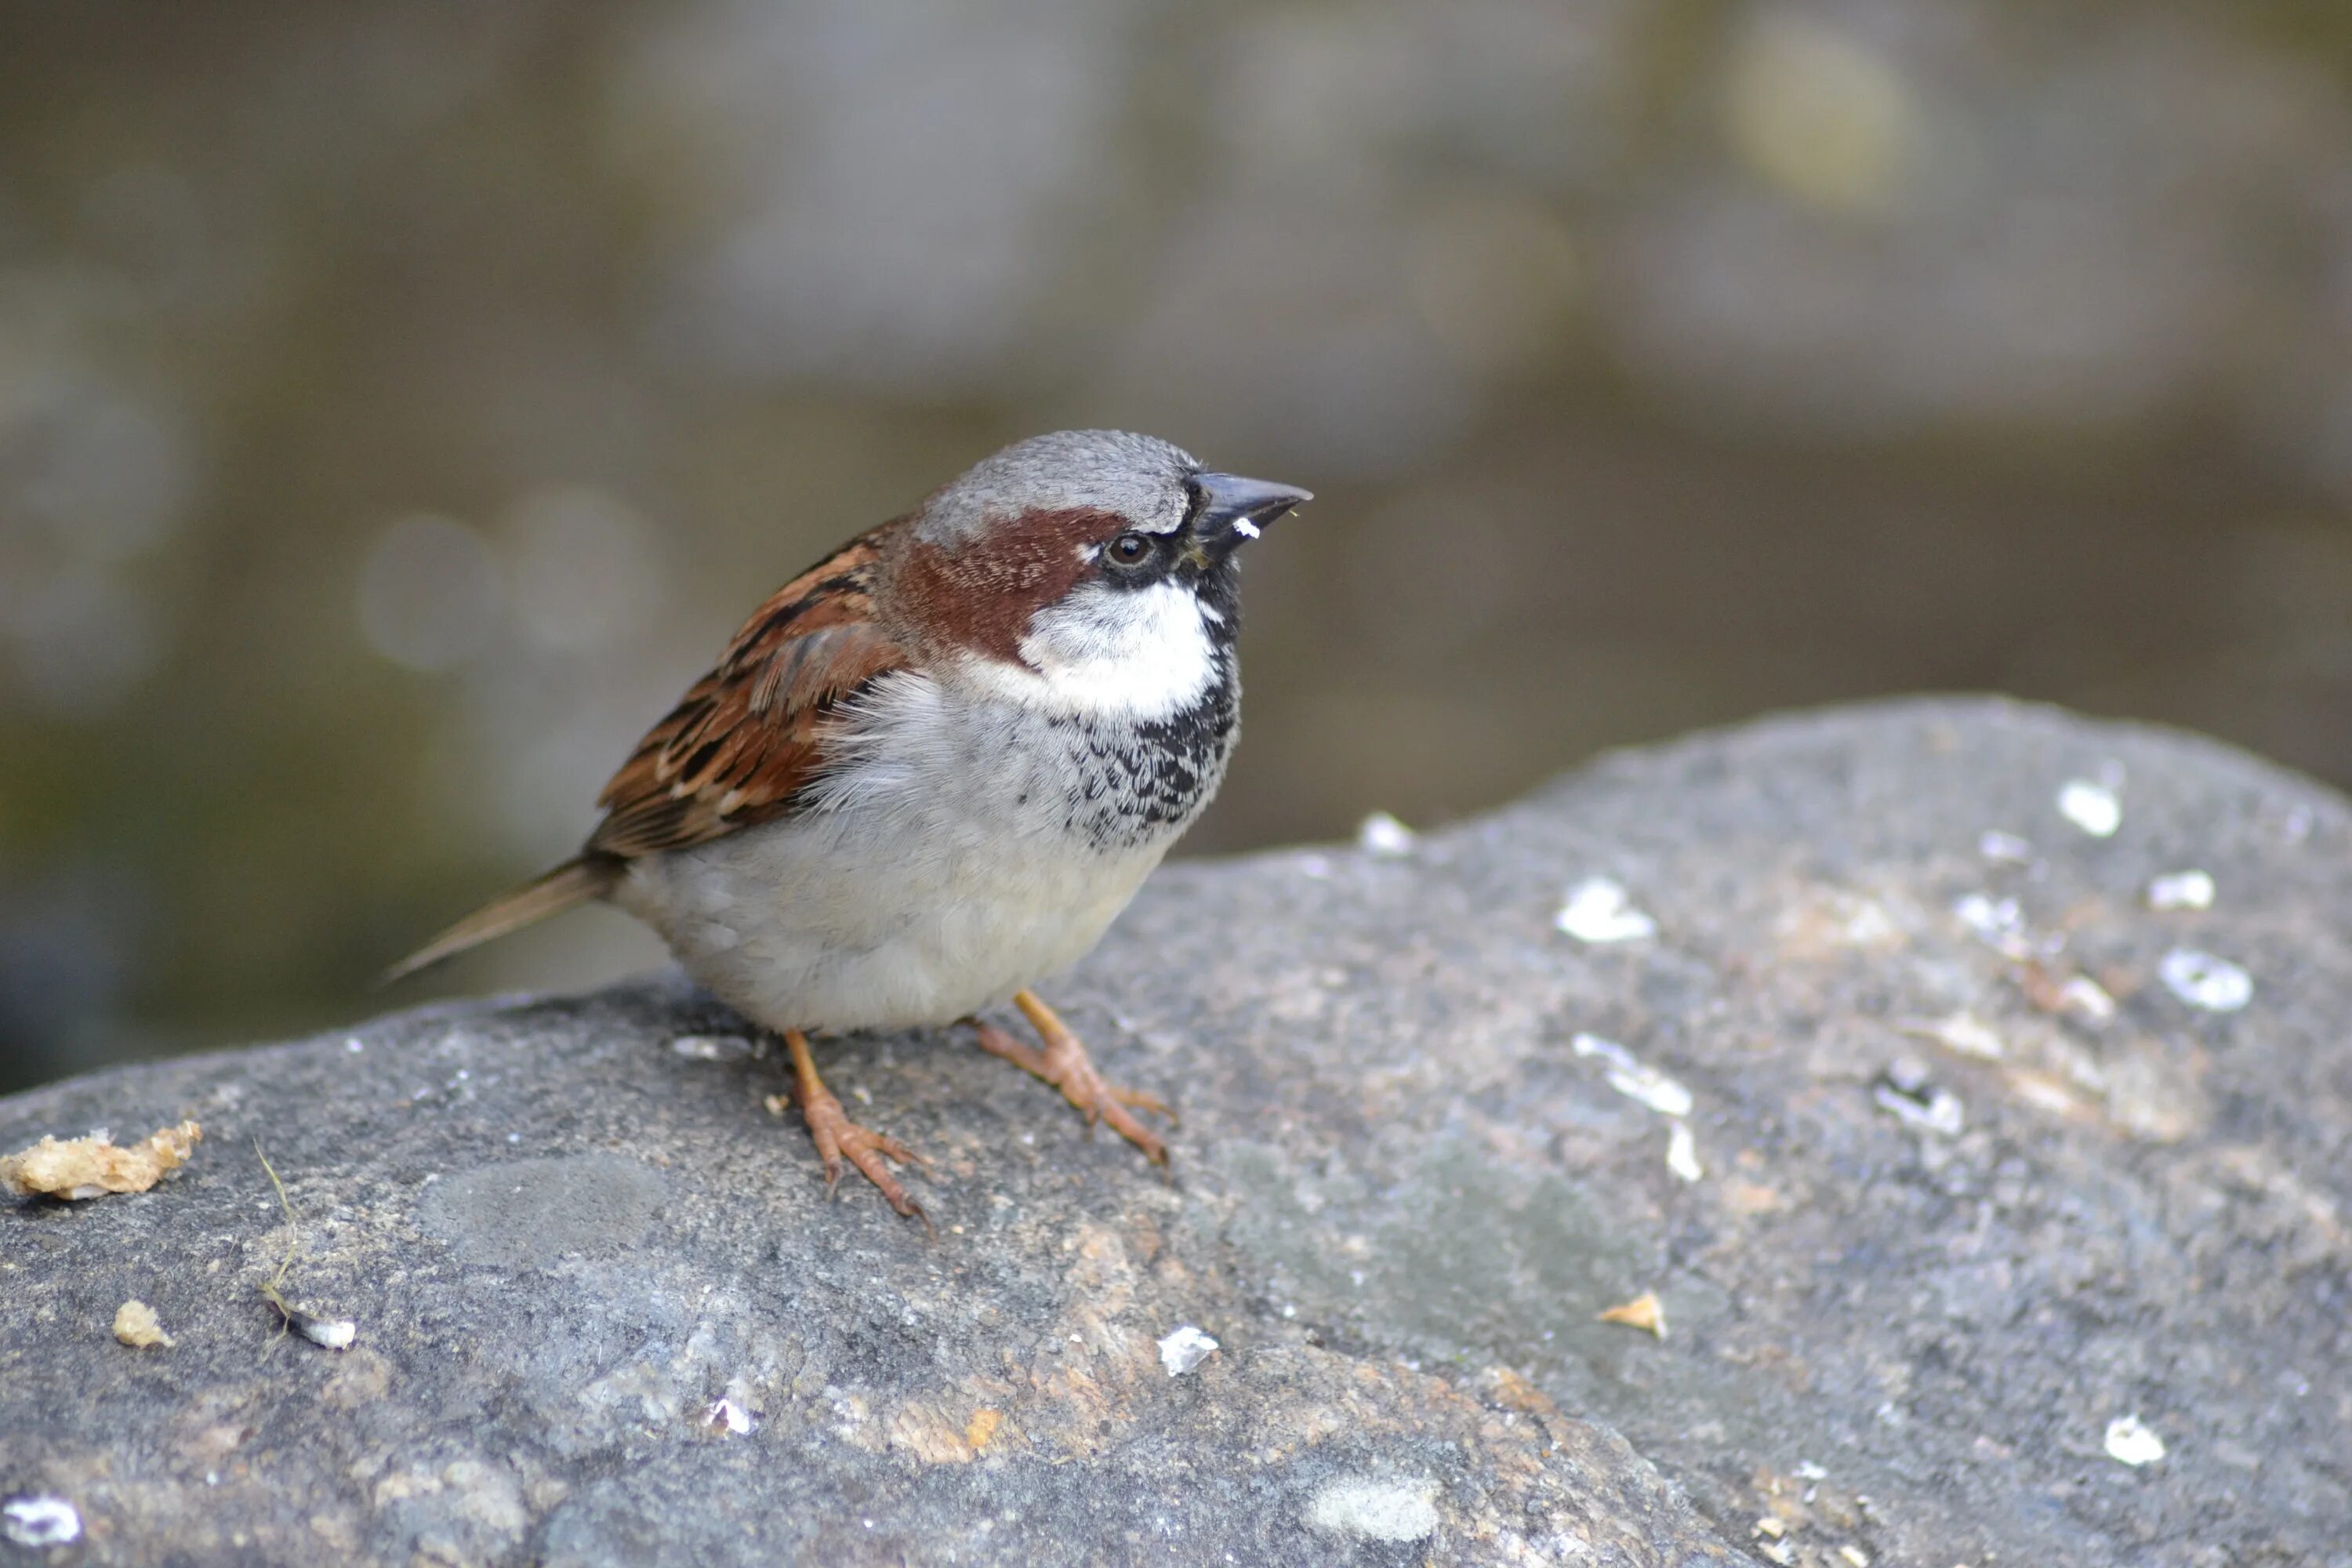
(838, 1138)
(1063, 1063)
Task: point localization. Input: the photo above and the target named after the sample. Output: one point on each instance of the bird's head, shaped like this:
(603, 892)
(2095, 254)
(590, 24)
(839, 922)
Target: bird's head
(1087, 571)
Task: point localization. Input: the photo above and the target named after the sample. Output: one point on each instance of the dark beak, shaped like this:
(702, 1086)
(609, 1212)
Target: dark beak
(1231, 510)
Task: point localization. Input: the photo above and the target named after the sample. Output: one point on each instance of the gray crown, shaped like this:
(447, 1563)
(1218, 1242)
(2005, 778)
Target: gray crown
(1139, 477)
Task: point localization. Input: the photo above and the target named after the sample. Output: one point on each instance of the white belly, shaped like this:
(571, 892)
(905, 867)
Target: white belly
(940, 878)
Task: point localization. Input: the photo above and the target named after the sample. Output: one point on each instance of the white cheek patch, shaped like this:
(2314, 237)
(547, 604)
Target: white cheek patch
(1136, 654)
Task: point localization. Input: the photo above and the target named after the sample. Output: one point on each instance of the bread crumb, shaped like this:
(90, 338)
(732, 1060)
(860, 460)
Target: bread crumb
(1643, 1311)
(135, 1325)
(91, 1167)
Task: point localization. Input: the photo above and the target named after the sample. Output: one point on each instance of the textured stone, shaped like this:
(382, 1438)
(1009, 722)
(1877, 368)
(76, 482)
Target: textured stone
(1408, 1182)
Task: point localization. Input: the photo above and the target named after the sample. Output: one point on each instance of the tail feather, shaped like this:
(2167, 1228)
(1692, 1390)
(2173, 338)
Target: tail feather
(571, 884)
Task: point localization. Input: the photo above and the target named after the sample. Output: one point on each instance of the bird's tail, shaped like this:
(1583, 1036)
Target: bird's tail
(573, 883)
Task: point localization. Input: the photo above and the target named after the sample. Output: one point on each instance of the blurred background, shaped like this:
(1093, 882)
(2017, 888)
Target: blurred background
(401, 404)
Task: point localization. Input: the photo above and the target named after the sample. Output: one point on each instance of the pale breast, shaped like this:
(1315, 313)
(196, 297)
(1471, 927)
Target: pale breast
(960, 851)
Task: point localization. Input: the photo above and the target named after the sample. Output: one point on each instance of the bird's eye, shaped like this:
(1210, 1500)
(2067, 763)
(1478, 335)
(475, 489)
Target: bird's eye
(1128, 550)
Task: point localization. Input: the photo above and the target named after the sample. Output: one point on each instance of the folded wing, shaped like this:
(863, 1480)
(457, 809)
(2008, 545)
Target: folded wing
(743, 743)
(736, 751)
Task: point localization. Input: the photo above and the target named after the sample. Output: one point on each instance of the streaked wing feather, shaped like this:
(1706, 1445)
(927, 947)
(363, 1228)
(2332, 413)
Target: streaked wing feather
(751, 734)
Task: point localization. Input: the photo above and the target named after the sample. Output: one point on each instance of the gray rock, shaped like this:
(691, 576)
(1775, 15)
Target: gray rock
(1908, 1294)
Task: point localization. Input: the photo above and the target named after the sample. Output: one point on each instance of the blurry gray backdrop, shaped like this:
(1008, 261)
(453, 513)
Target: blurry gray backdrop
(400, 404)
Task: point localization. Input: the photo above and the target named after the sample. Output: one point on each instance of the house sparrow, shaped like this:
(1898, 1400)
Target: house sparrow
(931, 770)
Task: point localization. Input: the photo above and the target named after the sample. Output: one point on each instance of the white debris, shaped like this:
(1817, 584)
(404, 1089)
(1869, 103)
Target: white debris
(1942, 1113)
(1868, 924)
(2093, 807)
(2084, 996)
(1653, 1088)
(725, 1416)
(1599, 909)
(1245, 528)
(2204, 981)
(1185, 1349)
(2130, 1442)
(1907, 1092)
(1807, 1470)
(1609, 1051)
(1382, 835)
(1999, 923)
(334, 1333)
(712, 1047)
(1986, 916)
(2007, 847)
(1629, 1077)
(1961, 1032)
(39, 1522)
(1681, 1153)
(1379, 1509)
(2181, 891)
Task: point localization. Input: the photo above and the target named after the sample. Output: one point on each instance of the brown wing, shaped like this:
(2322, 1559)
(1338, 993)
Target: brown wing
(750, 734)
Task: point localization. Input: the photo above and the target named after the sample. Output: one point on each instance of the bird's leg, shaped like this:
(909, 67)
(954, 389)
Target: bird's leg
(837, 1137)
(1063, 1063)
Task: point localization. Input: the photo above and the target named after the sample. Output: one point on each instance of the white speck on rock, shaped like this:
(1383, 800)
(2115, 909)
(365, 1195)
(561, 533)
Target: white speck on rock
(1962, 1032)
(2086, 997)
(1988, 916)
(1999, 923)
(2130, 1442)
(1939, 1112)
(2093, 807)
(1681, 1153)
(725, 1416)
(1385, 836)
(2201, 980)
(1185, 1349)
(2181, 891)
(2007, 847)
(1376, 1510)
(39, 1522)
(1636, 1080)
(1653, 1088)
(332, 1333)
(712, 1047)
(1598, 911)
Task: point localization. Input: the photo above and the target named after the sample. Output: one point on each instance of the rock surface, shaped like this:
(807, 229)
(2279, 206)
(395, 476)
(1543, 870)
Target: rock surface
(1426, 1140)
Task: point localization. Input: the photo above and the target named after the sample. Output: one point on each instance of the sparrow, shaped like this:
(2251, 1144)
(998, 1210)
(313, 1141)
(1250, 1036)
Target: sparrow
(931, 771)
